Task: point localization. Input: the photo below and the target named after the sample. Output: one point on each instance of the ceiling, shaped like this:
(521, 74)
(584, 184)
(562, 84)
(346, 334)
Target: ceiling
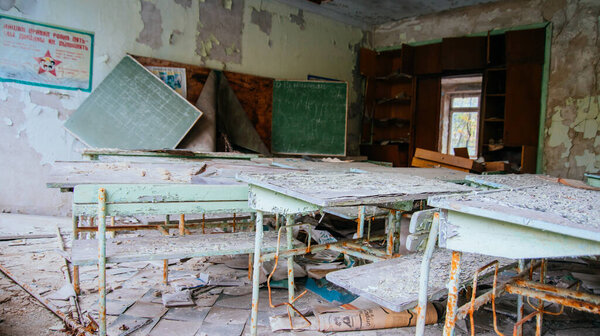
(367, 14)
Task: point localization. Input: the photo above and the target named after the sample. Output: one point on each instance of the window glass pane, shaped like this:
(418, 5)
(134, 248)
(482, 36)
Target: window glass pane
(465, 102)
(464, 131)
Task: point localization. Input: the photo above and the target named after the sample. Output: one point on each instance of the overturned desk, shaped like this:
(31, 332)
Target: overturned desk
(307, 192)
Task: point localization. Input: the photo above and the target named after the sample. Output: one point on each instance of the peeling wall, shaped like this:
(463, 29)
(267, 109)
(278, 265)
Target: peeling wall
(571, 143)
(257, 37)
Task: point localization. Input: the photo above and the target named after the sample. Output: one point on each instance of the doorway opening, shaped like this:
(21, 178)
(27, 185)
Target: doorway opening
(460, 110)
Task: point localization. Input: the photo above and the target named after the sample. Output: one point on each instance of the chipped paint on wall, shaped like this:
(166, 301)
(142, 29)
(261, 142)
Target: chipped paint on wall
(220, 27)
(262, 19)
(571, 125)
(37, 138)
(151, 34)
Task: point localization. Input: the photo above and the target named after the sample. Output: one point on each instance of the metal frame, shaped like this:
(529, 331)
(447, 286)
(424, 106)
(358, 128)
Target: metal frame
(469, 229)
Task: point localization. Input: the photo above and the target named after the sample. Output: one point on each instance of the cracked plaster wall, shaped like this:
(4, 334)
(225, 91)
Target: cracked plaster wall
(572, 137)
(277, 41)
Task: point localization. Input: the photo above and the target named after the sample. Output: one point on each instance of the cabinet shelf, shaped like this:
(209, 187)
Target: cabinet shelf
(403, 100)
(395, 76)
(493, 120)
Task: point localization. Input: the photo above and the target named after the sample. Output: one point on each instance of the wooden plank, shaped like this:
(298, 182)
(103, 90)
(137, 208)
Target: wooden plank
(84, 251)
(309, 117)
(130, 209)
(397, 282)
(417, 162)
(447, 159)
(153, 193)
(132, 109)
(461, 152)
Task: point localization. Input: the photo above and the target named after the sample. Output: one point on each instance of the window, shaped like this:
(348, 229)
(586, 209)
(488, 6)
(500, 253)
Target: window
(463, 123)
(460, 114)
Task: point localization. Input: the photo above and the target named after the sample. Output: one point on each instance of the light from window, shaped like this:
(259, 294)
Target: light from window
(464, 130)
(465, 102)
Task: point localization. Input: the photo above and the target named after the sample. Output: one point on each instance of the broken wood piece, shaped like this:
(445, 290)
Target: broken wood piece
(31, 236)
(76, 326)
(449, 161)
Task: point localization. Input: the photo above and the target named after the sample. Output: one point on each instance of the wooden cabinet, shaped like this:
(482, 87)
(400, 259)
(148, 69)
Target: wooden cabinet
(427, 113)
(428, 59)
(389, 105)
(403, 94)
(463, 53)
(512, 97)
(523, 94)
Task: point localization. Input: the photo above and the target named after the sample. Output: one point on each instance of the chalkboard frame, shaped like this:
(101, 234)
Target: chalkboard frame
(345, 118)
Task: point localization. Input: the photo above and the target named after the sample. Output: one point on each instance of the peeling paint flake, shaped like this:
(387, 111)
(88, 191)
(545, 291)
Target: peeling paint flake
(263, 19)
(152, 32)
(220, 29)
(298, 19)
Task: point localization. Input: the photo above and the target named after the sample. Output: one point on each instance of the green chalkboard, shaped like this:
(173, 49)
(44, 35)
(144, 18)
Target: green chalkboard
(132, 109)
(309, 117)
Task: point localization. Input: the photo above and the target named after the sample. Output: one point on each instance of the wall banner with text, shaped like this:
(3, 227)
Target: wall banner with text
(43, 55)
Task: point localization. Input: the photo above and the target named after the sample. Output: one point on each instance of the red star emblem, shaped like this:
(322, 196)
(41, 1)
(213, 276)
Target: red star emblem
(47, 63)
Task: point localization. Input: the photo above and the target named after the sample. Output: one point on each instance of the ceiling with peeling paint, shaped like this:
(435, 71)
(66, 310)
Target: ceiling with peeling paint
(369, 13)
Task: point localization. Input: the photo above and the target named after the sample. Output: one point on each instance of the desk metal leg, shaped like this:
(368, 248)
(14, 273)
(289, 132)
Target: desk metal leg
(424, 279)
(540, 317)
(102, 260)
(520, 309)
(360, 228)
(451, 307)
(76, 287)
(289, 221)
(256, 272)
(391, 227)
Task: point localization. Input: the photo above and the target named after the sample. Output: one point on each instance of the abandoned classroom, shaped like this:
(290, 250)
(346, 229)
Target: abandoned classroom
(299, 167)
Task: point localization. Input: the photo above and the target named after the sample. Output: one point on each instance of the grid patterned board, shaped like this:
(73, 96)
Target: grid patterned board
(331, 189)
(552, 207)
(394, 283)
(132, 109)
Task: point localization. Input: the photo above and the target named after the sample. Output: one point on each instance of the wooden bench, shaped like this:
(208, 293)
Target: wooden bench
(157, 199)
